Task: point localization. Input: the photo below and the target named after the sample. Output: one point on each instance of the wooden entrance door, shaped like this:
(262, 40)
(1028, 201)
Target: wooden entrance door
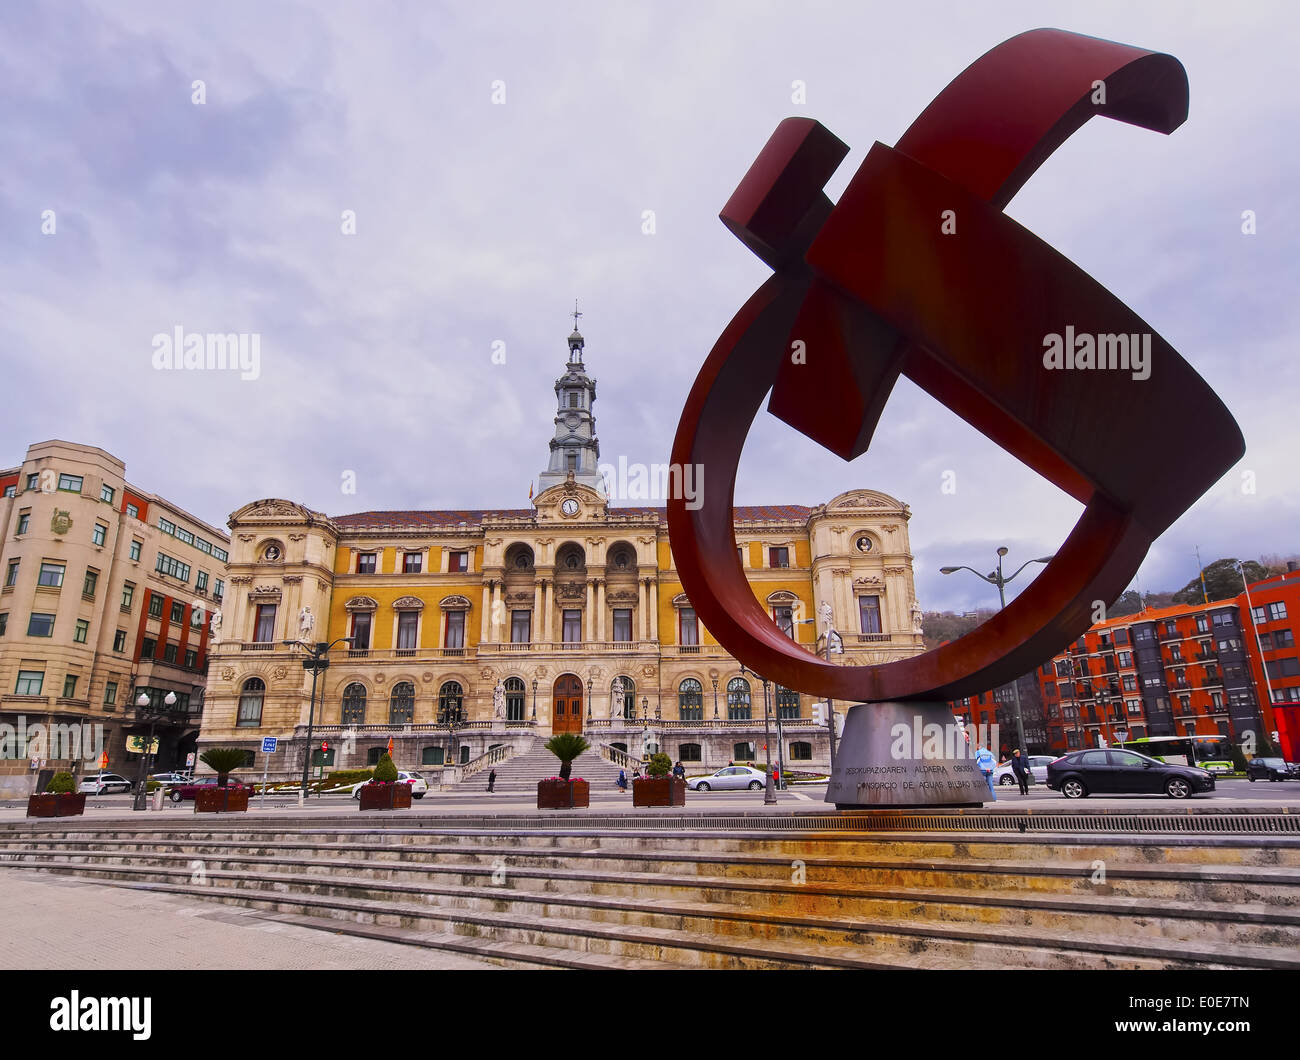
(566, 712)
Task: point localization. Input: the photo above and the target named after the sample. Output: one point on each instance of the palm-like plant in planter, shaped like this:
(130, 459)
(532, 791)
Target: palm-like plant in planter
(225, 760)
(567, 746)
(657, 787)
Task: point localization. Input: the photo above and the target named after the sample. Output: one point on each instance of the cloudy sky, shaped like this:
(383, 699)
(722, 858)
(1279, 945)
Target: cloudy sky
(478, 222)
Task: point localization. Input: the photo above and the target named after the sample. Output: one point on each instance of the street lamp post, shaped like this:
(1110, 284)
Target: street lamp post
(714, 679)
(589, 699)
(141, 801)
(834, 643)
(534, 700)
(317, 662)
(769, 794)
(997, 578)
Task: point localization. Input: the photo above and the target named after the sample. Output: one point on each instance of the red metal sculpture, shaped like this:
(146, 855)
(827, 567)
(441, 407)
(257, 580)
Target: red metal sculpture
(917, 272)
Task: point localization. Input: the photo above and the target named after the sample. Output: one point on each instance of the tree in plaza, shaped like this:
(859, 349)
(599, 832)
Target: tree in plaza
(1222, 581)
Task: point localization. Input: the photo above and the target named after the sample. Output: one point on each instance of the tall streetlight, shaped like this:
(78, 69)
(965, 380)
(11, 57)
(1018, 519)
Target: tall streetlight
(834, 643)
(769, 796)
(153, 715)
(996, 578)
(714, 679)
(316, 663)
(534, 701)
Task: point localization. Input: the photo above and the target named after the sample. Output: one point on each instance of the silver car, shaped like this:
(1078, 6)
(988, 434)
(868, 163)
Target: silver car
(104, 784)
(730, 778)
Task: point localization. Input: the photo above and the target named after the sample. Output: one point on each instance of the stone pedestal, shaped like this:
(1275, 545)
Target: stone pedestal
(904, 754)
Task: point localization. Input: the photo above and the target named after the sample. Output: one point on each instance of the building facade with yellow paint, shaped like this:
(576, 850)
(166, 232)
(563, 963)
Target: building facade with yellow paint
(470, 630)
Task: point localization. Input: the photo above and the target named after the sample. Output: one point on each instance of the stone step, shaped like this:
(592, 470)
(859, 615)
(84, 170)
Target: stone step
(1230, 923)
(683, 935)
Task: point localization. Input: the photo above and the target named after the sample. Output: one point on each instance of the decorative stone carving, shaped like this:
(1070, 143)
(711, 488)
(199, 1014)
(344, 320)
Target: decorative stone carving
(540, 672)
(571, 591)
(455, 603)
(292, 579)
(297, 537)
(379, 679)
(621, 596)
(306, 622)
(408, 603)
(825, 616)
(280, 673)
(782, 597)
(918, 617)
(487, 673)
(890, 528)
(895, 570)
(426, 677)
(499, 701)
(240, 579)
(227, 673)
(868, 581)
(647, 671)
(362, 603)
(265, 592)
(214, 626)
(245, 537)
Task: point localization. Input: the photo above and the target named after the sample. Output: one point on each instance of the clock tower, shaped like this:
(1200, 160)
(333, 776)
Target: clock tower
(575, 447)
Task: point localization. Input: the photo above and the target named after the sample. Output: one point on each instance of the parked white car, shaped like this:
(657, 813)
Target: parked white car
(1004, 774)
(730, 778)
(418, 784)
(104, 784)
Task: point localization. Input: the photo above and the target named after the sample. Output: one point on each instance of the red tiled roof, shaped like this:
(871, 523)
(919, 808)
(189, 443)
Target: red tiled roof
(456, 516)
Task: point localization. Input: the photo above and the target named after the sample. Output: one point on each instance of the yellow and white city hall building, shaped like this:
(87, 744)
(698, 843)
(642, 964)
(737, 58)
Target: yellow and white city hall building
(477, 631)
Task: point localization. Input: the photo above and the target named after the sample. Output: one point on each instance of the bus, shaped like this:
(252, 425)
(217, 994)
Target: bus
(1209, 752)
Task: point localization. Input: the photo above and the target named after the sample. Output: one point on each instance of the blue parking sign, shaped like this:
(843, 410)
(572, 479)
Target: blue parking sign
(268, 744)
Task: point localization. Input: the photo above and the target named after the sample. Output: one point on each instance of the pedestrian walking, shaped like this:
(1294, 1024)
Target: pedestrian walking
(492, 780)
(679, 771)
(622, 782)
(985, 761)
(1020, 767)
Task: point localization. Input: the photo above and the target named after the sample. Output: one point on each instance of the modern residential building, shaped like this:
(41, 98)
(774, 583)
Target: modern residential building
(104, 595)
(471, 629)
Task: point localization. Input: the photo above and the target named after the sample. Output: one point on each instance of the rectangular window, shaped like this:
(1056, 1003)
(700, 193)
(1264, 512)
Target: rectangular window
(24, 521)
(168, 565)
(128, 595)
(40, 625)
(51, 575)
(622, 624)
(196, 617)
(1135, 706)
(98, 535)
(135, 549)
(572, 631)
(191, 658)
(133, 510)
(1256, 614)
(178, 611)
(110, 693)
(1283, 638)
(784, 619)
(264, 632)
(1224, 618)
(201, 581)
(218, 589)
(458, 562)
(412, 562)
(1130, 683)
(33, 481)
(690, 628)
(869, 613)
(407, 624)
(70, 686)
(1266, 642)
(361, 631)
(1126, 658)
(106, 494)
(184, 535)
(4, 622)
(166, 525)
(170, 652)
(1202, 624)
(148, 647)
(70, 483)
(82, 631)
(119, 640)
(203, 545)
(11, 575)
(1216, 698)
(29, 682)
(1121, 636)
(778, 557)
(1276, 612)
(155, 606)
(221, 554)
(365, 563)
(91, 581)
(521, 627)
(455, 629)
(11, 491)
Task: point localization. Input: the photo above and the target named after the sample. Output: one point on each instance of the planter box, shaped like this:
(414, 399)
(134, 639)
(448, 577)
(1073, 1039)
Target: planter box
(395, 796)
(63, 804)
(659, 791)
(221, 800)
(562, 794)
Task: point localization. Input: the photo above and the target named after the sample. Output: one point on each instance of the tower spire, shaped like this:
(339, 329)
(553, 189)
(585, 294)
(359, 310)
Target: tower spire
(575, 448)
(576, 314)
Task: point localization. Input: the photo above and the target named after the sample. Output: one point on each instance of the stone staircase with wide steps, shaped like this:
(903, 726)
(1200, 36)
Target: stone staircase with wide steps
(518, 776)
(622, 898)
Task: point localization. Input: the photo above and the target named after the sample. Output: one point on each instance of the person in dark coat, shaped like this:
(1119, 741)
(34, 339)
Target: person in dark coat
(622, 782)
(1020, 767)
(492, 780)
(679, 771)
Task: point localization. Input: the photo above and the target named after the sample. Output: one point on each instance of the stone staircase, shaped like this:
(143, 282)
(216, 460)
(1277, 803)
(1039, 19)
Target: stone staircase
(518, 776)
(569, 894)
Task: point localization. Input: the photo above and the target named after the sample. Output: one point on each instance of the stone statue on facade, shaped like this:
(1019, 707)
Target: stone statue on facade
(616, 697)
(918, 619)
(824, 613)
(306, 622)
(499, 701)
(214, 627)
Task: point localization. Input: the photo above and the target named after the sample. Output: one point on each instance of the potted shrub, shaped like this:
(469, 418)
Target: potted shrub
(659, 787)
(563, 793)
(60, 799)
(222, 799)
(384, 791)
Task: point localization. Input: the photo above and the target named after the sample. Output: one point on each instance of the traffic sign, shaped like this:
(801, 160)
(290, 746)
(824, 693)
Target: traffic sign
(103, 759)
(189, 759)
(268, 744)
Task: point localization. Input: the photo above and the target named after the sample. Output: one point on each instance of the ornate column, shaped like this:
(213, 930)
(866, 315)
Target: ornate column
(643, 607)
(487, 610)
(589, 617)
(600, 610)
(494, 622)
(654, 609)
(548, 606)
(535, 628)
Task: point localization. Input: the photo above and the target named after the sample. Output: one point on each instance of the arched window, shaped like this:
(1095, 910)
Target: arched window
(514, 699)
(627, 709)
(431, 756)
(787, 703)
(354, 704)
(800, 751)
(401, 704)
(738, 699)
(450, 703)
(688, 752)
(250, 702)
(690, 700)
(742, 752)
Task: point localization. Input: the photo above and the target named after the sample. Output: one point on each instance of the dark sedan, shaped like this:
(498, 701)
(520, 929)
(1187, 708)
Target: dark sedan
(1272, 769)
(1118, 772)
(179, 792)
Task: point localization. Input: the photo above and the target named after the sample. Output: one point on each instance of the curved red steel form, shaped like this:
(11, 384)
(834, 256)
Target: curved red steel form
(875, 288)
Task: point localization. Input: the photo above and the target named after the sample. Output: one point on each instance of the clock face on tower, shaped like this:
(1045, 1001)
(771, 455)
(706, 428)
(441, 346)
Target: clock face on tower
(569, 507)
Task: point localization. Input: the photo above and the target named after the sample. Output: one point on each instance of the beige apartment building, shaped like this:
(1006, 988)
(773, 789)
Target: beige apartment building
(475, 630)
(106, 593)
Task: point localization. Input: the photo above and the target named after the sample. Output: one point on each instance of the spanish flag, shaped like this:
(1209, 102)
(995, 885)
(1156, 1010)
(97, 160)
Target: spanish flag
(530, 490)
